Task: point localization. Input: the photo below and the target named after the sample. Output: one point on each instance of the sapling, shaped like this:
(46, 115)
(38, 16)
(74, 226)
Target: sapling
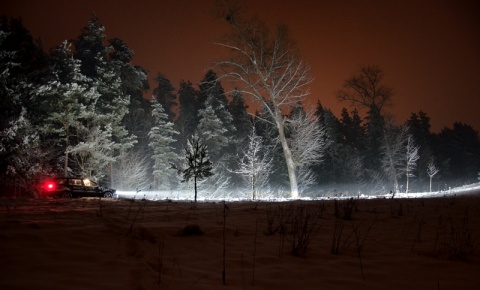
(198, 165)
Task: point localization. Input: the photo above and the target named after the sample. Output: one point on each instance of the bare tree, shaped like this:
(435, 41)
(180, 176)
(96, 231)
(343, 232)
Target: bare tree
(131, 170)
(432, 170)
(393, 151)
(411, 158)
(364, 90)
(256, 163)
(266, 67)
(307, 143)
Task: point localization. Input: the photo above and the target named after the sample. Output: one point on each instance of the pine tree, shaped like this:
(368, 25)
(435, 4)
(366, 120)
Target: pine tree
(210, 87)
(198, 164)
(186, 123)
(419, 128)
(161, 140)
(105, 66)
(329, 171)
(212, 131)
(365, 90)
(164, 93)
(67, 93)
(241, 120)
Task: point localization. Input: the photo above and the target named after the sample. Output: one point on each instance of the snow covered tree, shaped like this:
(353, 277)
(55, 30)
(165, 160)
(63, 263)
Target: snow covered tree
(255, 164)
(411, 158)
(307, 145)
(419, 127)
(131, 169)
(393, 154)
(212, 131)
(330, 170)
(23, 157)
(93, 154)
(267, 68)
(162, 136)
(134, 83)
(219, 140)
(210, 87)
(67, 93)
(23, 154)
(105, 66)
(198, 165)
(432, 170)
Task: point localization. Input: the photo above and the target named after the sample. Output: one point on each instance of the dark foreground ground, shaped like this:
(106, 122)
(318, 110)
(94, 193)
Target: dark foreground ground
(424, 243)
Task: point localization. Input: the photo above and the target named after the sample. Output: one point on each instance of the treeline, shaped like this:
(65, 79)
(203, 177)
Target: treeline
(79, 110)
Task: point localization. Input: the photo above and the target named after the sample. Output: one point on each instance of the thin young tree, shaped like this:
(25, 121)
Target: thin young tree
(432, 170)
(266, 67)
(412, 156)
(256, 163)
(198, 164)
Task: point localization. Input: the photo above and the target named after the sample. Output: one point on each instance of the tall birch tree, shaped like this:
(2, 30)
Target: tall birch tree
(266, 67)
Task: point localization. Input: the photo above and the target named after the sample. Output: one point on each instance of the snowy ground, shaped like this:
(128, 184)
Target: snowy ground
(401, 243)
(186, 195)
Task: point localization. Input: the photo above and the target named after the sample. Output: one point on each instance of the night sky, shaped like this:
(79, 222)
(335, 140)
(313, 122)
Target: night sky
(429, 50)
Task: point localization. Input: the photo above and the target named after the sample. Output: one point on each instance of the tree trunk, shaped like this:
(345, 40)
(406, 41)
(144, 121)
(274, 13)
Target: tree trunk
(253, 186)
(111, 175)
(65, 163)
(292, 176)
(195, 186)
(406, 191)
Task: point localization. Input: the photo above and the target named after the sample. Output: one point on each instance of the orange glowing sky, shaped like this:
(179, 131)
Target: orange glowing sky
(429, 50)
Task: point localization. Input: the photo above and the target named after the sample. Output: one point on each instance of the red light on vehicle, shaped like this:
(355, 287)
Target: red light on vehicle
(49, 186)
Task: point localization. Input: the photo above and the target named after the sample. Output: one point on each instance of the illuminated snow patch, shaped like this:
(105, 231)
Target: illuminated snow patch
(188, 195)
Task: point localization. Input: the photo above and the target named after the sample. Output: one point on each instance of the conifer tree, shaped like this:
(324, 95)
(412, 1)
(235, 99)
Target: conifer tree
(186, 123)
(162, 137)
(164, 93)
(212, 131)
(198, 164)
(70, 99)
(105, 68)
(365, 90)
(241, 120)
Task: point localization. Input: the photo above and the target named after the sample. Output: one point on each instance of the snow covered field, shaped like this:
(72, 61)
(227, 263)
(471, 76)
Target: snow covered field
(429, 242)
